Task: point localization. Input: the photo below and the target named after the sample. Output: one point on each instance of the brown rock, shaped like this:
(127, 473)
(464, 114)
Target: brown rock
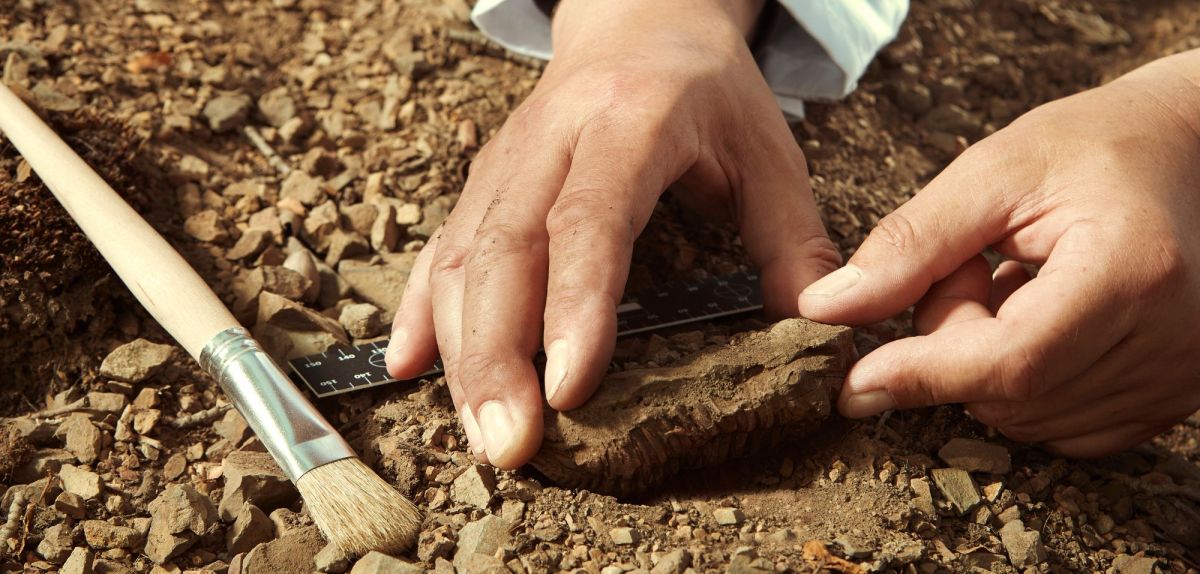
(227, 111)
(384, 231)
(178, 517)
(57, 543)
(361, 217)
(300, 186)
(475, 486)
(83, 438)
(1126, 564)
(361, 320)
(80, 482)
(761, 389)
(277, 106)
(484, 536)
(107, 402)
(283, 281)
(102, 536)
(957, 487)
(344, 245)
(136, 361)
(250, 528)
(79, 562)
(288, 329)
(70, 504)
(1024, 547)
(288, 554)
(254, 478)
(302, 261)
(206, 226)
(380, 563)
(250, 244)
(175, 466)
(976, 456)
(381, 285)
(232, 427)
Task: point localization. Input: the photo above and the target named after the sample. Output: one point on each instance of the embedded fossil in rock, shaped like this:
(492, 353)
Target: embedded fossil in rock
(645, 425)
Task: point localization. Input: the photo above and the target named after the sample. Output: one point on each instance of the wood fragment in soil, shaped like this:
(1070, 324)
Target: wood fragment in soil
(644, 426)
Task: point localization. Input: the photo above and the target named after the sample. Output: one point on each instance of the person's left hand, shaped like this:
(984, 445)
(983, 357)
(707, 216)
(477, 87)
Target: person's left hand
(1102, 349)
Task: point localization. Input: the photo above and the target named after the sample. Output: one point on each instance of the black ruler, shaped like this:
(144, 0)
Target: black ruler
(345, 369)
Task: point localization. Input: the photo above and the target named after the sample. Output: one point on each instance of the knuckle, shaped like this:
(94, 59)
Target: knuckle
(447, 259)
(587, 210)
(897, 231)
(1023, 374)
(993, 414)
(820, 250)
(495, 240)
(476, 368)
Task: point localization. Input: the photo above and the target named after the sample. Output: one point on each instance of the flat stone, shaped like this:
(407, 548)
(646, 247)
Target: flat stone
(57, 543)
(249, 245)
(1126, 564)
(623, 535)
(1009, 514)
(361, 320)
(331, 560)
(381, 285)
(384, 230)
(1024, 547)
(227, 111)
(43, 462)
(178, 517)
(281, 281)
(976, 456)
(293, 552)
(82, 437)
(70, 504)
(255, 478)
(344, 245)
(103, 536)
(232, 427)
(250, 528)
(673, 562)
(484, 536)
(380, 563)
(360, 217)
(303, 188)
(79, 562)
(277, 106)
(288, 329)
(136, 361)
(80, 482)
(924, 496)
(206, 226)
(107, 402)
(956, 485)
(728, 516)
(175, 466)
(475, 486)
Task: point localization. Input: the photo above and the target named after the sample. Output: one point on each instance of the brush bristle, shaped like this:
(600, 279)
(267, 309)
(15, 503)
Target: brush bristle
(357, 511)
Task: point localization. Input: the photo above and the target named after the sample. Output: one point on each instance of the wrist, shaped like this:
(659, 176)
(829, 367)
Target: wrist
(1173, 83)
(721, 22)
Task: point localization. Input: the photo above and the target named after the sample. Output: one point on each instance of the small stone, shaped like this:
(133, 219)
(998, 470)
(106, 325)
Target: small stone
(249, 245)
(915, 99)
(468, 135)
(178, 517)
(303, 188)
(71, 504)
(433, 544)
(145, 420)
(107, 402)
(361, 320)
(381, 285)
(80, 482)
(1024, 547)
(226, 111)
(623, 535)
(344, 245)
(1126, 564)
(924, 500)
(384, 230)
(951, 119)
(282, 281)
(136, 361)
(174, 467)
(320, 224)
(360, 217)
(728, 516)
(484, 536)
(484, 564)
(103, 536)
(331, 560)
(408, 214)
(250, 528)
(277, 106)
(380, 563)
(206, 226)
(79, 562)
(232, 427)
(303, 262)
(255, 478)
(192, 168)
(673, 562)
(146, 398)
(1009, 514)
(82, 438)
(475, 486)
(976, 456)
(291, 552)
(57, 543)
(958, 488)
(287, 328)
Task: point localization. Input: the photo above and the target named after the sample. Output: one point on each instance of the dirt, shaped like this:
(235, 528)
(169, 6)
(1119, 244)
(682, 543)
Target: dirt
(377, 106)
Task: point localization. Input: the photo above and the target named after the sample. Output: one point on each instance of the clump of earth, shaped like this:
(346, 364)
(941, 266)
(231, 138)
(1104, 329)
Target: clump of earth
(300, 152)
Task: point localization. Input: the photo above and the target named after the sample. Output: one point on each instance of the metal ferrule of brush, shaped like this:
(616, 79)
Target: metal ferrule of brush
(289, 426)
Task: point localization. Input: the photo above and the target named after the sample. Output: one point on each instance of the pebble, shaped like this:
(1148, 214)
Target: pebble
(344, 245)
(107, 402)
(252, 242)
(232, 427)
(914, 98)
(174, 467)
(249, 529)
(57, 543)
(976, 456)
(332, 560)
(623, 535)
(79, 562)
(70, 504)
(206, 226)
(178, 517)
(81, 437)
(673, 562)
(483, 536)
(292, 552)
(277, 106)
(302, 262)
(255, 478)
(1126, 564)
(384, 231)
(80, 482)
(728, 516)
(101, 535)
(1024, 547)
(380, 563)
(1009, 514)
(475, 486)
(952, 119)
(300, 186)
(136, 361)
(958, 488)
(227, 111)
(381, 284)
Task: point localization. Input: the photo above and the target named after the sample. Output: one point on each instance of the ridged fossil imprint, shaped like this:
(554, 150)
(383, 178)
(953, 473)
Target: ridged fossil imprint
(645, 425)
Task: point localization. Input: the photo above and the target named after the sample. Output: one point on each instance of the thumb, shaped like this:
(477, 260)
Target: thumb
(920, 243)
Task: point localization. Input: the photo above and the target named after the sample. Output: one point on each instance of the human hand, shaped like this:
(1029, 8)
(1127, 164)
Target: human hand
(639, 95)
(1102, 349)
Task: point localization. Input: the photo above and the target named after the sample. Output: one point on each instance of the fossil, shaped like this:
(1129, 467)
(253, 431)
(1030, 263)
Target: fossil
(644, 426)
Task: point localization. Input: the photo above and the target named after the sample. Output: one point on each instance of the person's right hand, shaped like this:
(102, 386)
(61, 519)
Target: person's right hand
(640, 94)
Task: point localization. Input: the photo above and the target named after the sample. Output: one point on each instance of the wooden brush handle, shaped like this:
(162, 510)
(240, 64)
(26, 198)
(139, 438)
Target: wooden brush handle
(160, 279)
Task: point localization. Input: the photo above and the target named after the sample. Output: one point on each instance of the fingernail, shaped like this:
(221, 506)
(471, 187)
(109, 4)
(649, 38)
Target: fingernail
(396, 342)
(835, 283)
(868, 404)
(496, 426)
(558, 357)
(474, 437)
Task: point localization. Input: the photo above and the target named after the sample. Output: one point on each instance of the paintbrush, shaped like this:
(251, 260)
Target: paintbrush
(354, 508)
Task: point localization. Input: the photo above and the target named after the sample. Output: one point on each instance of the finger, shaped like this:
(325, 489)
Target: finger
(412, 348)
(779, 222)
(1105, 442)
(1048, 332)
(926, 239)
(446, 283)
(962, 296)
(609, 194)
(1009, 277)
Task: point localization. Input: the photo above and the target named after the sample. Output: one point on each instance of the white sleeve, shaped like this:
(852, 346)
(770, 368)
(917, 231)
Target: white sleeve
(818, 53)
